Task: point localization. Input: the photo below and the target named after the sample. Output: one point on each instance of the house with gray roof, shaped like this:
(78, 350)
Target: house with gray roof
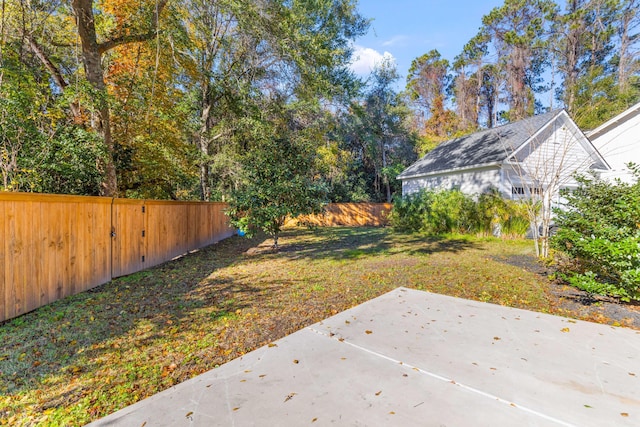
(533, 157)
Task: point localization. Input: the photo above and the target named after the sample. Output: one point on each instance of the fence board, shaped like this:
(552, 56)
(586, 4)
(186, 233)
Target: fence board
(127, 242)
(52, 246)
(349, 215)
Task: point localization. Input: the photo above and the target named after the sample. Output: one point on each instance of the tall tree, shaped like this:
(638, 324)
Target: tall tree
(582, 47)
(92, 55)
(518, 32)
(376, 131)
(297, 49)
(97, 115)
(428, 80)
(628, 29)
(428, 83)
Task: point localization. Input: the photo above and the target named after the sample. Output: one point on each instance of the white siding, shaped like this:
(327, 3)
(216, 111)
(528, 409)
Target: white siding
(469, 182)
(553, 161)
(619, 146)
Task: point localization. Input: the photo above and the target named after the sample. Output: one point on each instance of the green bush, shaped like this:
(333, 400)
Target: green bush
(599, 231)
(408, 212)
(451, 211)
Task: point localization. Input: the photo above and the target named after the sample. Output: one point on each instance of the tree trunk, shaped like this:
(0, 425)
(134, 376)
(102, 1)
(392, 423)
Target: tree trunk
(203, 145)
(629, 15)
(91, 57)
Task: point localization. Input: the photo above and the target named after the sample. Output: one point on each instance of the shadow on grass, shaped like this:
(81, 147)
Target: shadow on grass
(64, 348)
(356, 243)
(63, 340)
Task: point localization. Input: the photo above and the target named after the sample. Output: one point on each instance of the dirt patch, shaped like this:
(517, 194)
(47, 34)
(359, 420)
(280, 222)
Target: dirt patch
(568, 299)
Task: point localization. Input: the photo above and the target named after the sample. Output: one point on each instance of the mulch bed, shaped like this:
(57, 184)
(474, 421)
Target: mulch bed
(587, 306)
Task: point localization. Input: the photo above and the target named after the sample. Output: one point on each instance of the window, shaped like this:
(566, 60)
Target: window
(517, 190)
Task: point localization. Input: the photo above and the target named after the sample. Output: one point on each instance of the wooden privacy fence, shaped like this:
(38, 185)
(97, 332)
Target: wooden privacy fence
(349, 215)
(53, 246)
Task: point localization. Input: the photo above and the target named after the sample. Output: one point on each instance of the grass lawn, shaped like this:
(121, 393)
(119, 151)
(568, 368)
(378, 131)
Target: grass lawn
(84, 357)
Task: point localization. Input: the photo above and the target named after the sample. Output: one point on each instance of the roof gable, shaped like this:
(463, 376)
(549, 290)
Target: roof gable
(487, 147)
(613, 123)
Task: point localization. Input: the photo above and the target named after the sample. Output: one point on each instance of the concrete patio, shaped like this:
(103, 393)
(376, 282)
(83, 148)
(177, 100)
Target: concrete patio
(413, 358)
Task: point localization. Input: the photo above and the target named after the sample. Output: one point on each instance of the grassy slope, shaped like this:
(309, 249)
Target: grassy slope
(89, 355)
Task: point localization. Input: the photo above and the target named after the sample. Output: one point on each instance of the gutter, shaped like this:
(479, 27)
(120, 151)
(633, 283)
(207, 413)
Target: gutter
(448, 171)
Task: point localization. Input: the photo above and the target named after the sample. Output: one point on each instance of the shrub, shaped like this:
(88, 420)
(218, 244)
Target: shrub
(451, 211)
(599, 231)
(408, 212)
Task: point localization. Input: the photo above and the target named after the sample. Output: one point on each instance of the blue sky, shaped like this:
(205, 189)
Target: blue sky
(406, 29)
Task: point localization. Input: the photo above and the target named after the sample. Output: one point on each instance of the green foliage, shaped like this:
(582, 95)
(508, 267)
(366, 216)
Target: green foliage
(600, 233)
(69, 163)
(451, 211)
(39, 150)
(278, 182)
(374, 130)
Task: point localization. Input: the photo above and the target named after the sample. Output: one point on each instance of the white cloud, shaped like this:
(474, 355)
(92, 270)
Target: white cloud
(365, 59)
(396, 40)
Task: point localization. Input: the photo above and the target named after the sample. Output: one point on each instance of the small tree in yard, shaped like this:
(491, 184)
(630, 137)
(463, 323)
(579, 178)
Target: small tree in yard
(540, 169)
(278, 183)
(599, 233)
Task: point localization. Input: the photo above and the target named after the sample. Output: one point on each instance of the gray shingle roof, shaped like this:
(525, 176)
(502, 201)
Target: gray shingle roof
(481, 148)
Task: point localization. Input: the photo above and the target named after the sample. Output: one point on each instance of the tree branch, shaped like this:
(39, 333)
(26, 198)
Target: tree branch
(53, 70)
(135, 38)
(55, 74)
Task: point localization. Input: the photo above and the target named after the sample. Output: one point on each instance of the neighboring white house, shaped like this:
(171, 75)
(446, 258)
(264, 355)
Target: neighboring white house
(618, 140)
(535, 156)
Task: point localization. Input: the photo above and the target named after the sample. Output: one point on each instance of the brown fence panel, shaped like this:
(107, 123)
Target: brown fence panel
(167, 231)
(50, 247)
(128, 235)
(53, 246)
(176, 228)
(349, 215)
